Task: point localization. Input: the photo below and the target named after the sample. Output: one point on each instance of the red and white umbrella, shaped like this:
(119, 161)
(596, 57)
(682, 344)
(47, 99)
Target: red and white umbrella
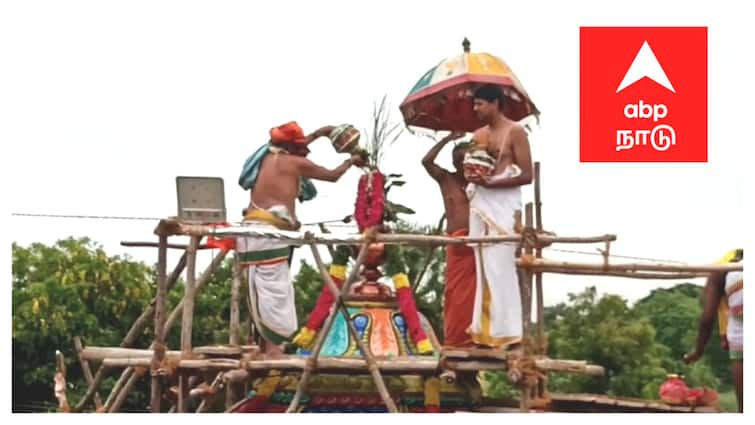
(442, 99)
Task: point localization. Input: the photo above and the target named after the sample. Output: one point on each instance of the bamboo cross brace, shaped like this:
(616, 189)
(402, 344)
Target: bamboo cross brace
(312, 359)
(128, 340)
(369, 359)
(85, 369)
(132, 380)
(125, 376)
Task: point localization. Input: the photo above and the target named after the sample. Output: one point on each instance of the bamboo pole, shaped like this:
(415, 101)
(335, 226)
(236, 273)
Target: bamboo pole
(312, 359)
(547, 265)
(118, 402)
(306, 238)
(127, 362)
(187, 322)
(527, 302)
(125, 376)
(156, 245)
(234, 332)
(395, 365)
(369, 358)
(627, 274)
(526, 285)
(232, 390)
(86, 371)
(60, 382)
(539, 275)
(141, 322)
(159, 341)
(99, 353)
(98, 377)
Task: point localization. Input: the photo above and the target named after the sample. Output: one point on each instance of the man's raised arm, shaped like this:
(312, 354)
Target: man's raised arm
(321, 132)
(435, 171)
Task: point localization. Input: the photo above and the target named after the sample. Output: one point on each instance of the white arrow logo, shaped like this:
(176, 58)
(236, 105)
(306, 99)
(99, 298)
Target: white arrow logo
(645, 64)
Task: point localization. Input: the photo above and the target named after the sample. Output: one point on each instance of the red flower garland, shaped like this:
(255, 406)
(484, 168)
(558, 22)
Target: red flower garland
(370, 204)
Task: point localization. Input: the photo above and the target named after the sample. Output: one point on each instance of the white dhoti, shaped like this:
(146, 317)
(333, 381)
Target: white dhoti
(269, 283)
(735, 324)
(497, 317)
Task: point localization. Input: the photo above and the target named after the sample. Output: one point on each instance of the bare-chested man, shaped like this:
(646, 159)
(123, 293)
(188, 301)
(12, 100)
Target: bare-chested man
(495, 209)
(277, 174)
(460, 261)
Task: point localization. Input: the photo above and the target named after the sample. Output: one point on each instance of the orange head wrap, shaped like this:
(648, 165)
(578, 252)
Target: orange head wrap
(289, 132)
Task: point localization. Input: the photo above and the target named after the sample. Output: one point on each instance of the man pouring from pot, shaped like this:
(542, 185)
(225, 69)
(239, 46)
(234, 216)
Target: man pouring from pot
(276, 175)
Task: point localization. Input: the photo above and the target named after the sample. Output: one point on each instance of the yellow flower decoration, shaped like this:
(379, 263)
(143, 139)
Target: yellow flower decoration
(401, 280)
(338, 272)
(424, 346)
(305, 337)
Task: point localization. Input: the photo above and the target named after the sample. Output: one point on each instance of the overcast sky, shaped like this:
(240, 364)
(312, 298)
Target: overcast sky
(104, 104)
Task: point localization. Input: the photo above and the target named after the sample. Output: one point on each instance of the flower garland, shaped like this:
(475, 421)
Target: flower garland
(370, 204)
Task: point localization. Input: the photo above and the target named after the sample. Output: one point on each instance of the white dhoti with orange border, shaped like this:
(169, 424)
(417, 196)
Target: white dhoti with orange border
(497, 316)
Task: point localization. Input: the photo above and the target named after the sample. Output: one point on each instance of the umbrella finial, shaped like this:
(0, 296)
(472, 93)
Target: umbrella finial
(466, 44)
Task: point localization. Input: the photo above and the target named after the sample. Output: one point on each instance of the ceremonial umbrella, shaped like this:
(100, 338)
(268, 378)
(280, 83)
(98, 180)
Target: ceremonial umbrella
(442, 98)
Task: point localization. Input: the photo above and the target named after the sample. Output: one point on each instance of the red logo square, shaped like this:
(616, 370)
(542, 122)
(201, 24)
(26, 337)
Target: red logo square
(643, 94)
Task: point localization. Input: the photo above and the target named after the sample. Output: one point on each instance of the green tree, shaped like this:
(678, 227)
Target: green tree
(61, 291)
(606, 332)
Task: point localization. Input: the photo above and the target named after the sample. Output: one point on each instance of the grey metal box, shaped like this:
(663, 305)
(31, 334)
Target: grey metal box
(201, 199)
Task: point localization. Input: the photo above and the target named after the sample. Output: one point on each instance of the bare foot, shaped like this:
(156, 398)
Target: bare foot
(272, 351)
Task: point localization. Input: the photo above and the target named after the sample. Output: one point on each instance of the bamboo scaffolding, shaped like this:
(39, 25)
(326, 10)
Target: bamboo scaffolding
(167, 326)
(231, 371)
(120, 391)
(136, 329)
(341, 307)
(311, 361)
(85, 369)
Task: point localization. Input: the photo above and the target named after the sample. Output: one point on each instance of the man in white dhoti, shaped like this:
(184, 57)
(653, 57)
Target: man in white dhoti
(277, 174)
(495, 209)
